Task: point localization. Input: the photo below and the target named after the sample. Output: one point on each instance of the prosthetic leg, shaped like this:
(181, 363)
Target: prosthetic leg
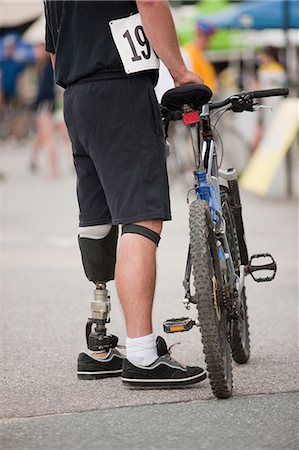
(98, 258)
(98, 250)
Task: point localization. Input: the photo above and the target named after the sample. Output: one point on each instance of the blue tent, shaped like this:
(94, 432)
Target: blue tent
(258, 15)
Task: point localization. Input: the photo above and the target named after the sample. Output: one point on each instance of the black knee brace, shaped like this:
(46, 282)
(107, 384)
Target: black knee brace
(99, 256)
(143, 231)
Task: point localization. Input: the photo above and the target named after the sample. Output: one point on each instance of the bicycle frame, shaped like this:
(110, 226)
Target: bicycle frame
(207, 189)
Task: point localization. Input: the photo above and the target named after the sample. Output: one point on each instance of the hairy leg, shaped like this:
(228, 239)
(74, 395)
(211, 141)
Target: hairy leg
(135, 278)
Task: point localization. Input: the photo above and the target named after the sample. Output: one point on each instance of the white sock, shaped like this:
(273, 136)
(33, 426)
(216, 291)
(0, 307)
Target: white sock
(142, 350)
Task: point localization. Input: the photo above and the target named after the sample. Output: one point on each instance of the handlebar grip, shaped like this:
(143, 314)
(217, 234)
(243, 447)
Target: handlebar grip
(270, 93)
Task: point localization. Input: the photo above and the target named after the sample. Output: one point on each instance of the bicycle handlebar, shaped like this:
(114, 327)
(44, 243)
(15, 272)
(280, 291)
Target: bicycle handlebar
(247, 96)
(270, 93)
(239, 102)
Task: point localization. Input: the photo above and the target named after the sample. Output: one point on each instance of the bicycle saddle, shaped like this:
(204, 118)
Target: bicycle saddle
(192, 94)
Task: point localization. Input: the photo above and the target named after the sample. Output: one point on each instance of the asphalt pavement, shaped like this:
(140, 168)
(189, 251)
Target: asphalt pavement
(45, 300)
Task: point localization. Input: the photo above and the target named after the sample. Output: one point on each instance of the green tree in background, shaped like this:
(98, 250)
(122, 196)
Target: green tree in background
(208, 5)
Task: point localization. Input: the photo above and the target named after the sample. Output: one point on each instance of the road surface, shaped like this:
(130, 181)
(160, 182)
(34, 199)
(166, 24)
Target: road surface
(45, 302)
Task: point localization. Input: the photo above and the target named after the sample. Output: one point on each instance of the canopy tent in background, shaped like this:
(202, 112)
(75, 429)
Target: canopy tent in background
(36, 32)
(17, 16)
(258, 15)
(21, 17)
(15, 13)
(233, 20)
(275, 15)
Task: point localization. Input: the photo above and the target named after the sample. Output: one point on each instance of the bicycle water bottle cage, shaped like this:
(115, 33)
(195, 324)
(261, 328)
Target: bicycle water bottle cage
(270, 266)
(192, 94)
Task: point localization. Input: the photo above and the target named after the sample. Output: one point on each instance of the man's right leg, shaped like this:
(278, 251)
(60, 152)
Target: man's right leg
(147, 362)
(135, 279)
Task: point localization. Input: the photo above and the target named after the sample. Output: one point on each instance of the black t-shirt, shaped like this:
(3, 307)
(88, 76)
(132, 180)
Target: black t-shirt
(78, 33)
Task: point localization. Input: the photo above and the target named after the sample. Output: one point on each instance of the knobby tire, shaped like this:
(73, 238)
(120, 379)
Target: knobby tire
(205, 266)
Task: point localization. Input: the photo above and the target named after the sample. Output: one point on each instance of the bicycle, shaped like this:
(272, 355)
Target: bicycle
(217, 258)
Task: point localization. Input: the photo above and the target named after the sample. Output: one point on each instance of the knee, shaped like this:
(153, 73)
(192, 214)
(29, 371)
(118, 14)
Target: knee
(155, 225)
(150, 229)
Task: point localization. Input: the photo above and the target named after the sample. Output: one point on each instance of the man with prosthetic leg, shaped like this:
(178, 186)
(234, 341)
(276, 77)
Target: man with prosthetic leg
(115, 127)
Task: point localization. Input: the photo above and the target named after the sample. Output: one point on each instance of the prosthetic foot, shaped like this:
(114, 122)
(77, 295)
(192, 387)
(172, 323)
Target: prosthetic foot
(89, 366)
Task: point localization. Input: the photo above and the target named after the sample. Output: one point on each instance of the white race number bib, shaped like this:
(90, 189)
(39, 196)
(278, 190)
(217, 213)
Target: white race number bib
(133, 46)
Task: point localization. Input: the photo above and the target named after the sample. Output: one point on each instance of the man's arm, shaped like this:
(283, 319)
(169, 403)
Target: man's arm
(160, 30)
(53, 59)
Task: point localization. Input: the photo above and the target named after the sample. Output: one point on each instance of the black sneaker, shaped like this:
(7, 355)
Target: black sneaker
(163, 373)
(90, 368)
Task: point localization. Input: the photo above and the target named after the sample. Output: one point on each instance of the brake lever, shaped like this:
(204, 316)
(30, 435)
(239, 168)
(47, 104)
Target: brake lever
(258, 106)
(243, 103)
(242, 107)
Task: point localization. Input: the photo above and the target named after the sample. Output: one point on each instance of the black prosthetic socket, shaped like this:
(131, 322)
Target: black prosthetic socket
(143, 231)
(99, 256)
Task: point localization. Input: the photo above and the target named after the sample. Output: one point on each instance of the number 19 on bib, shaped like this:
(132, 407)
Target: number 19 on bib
(133, 46)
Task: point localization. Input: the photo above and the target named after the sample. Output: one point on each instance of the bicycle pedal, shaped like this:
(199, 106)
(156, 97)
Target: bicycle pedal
(178, 325)
(268, 266)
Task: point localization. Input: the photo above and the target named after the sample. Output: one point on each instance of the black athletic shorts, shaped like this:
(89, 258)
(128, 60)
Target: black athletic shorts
(119, 151)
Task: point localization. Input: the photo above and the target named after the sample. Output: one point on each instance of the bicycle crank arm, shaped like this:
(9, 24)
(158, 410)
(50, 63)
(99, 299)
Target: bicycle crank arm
(271, 267)
(178, 325)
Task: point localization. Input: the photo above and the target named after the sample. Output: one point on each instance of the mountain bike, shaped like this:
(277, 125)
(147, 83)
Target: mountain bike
(218, 260)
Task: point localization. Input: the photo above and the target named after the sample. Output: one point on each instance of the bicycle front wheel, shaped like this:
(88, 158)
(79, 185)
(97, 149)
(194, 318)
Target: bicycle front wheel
(208, 285)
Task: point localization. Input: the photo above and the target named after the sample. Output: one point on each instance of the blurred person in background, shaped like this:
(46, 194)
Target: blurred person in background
(10, 69)
(196, 52)
(270, 75)
(44, 106)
